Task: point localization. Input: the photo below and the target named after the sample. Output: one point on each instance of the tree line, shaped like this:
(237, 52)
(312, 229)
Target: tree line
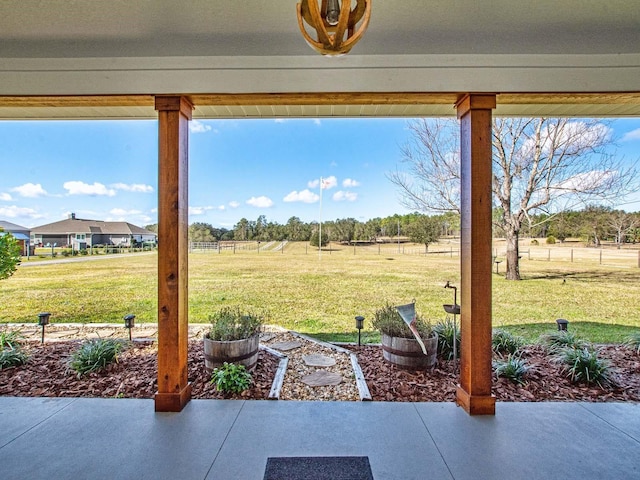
(592, 225)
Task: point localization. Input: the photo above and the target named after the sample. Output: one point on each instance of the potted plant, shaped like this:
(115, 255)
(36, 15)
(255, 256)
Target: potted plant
(232, 338)
(399, 345)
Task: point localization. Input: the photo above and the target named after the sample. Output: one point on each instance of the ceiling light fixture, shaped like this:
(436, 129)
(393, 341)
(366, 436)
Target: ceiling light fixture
(337, 27)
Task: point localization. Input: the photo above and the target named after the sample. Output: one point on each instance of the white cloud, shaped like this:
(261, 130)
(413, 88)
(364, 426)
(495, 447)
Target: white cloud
(81, 188)
(260, 202)
(196, 126)
(31, 190)
(199, 210)
(327, 183)
(234, 204)
(5, 197)
(305, 196)
(222, 208)
(632, 135)
(350, 183)
(316, 121)
(133, 187)
(342, 196)
(122, 212)
(18, 212)
(280, 120)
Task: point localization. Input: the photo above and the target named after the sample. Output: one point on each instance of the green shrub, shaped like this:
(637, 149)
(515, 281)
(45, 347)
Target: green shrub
(10, 339)
(633, 341)
(388, 321)
(65, 253)
(514, 368)
(231, 378)
(95, 354)
(551, 240)
(504, 342)
(232, 323)
(582, 365)
(12, 357)
(561, 339)
(445, 331)
(534, 242)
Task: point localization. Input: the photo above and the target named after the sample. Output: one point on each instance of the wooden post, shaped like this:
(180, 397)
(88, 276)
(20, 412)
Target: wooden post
(174, 391)
(474, 391)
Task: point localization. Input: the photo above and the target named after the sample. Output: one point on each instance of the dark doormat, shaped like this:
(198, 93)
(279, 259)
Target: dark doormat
(318, 468)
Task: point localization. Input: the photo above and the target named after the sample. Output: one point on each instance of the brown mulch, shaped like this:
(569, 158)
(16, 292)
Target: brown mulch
(543, 382)
(134, 376)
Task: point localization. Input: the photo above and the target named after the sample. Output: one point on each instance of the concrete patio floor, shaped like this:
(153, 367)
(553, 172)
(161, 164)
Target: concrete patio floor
(77, 438)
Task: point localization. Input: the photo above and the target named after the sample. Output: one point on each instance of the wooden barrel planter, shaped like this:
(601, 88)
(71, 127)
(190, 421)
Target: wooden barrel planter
(406, 352)
(243, 351)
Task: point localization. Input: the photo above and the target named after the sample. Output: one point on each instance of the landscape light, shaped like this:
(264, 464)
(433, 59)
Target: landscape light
(359, 325)
(43, 319)
(129, 323)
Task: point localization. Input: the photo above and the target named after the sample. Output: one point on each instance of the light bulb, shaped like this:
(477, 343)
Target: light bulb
(333, 12)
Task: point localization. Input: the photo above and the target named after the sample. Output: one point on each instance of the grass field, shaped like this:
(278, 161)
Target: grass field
(322, 296)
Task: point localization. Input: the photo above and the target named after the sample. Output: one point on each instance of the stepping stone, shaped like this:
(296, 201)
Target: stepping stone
(284, 346)
(265, 337)
(322, 378)
(317, 360)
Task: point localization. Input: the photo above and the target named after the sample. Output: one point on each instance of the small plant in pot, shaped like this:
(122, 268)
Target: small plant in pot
(233, 338)
(399, 345)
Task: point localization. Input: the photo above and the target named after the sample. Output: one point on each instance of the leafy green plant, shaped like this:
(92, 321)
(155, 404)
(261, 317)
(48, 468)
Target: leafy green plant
(514, 368)
(582, 365)
(12, 357)
(633, 341)
(561, 339)
(504, 342)
(445, 331)
(9, 254)
(232, 323)
(388, 321)
(95, 354)
(231, 378)
(10, 339)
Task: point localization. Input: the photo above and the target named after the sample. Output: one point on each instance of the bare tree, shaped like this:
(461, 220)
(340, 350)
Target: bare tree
(539, 165)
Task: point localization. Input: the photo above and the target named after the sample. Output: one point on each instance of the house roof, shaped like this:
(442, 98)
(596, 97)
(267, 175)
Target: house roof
(12, 227)
(79, 225)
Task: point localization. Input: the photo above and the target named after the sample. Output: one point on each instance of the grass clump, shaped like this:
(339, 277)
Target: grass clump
(561, 339)
(504, 342)
(95, 355)
(388, 321)
(11, 353)
(633, 341)
(12, 357)
(582, 365)
(232, 323)
(514, 368)
(231, 378)
(445, 331)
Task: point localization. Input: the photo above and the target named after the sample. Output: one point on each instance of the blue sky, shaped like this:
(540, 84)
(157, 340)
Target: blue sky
(107, 170)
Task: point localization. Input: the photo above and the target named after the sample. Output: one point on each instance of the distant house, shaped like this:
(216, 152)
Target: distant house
(20, 233)
(79, 233)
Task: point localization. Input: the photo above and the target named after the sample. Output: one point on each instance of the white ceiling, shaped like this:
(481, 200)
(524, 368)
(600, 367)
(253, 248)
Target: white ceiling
(147, 47)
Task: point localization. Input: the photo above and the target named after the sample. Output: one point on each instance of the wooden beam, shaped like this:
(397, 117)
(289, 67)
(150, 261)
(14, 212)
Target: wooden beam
(474, 391)
(174, 391)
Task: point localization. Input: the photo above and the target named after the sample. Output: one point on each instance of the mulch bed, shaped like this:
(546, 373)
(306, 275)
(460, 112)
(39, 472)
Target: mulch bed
(134, 376)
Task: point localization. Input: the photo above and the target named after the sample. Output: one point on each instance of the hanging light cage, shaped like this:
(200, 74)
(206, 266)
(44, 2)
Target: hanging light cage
(337, 27)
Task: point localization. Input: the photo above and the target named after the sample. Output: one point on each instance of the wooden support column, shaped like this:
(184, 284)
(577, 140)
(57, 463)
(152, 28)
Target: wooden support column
(174, 391)
(474, 390)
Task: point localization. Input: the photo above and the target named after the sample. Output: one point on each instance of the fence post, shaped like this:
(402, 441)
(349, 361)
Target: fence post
(548, 255)
(354, 248)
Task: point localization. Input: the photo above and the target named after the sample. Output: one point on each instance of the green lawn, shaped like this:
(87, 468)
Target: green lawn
(322, 296)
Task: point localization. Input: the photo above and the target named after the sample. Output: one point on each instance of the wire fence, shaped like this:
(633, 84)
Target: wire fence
(629, 256)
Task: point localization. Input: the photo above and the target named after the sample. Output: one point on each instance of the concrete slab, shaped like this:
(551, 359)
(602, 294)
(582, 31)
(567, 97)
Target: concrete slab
(391, 435)
(20, 414)
(532, 441)
(121, 438)
(624, 416)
